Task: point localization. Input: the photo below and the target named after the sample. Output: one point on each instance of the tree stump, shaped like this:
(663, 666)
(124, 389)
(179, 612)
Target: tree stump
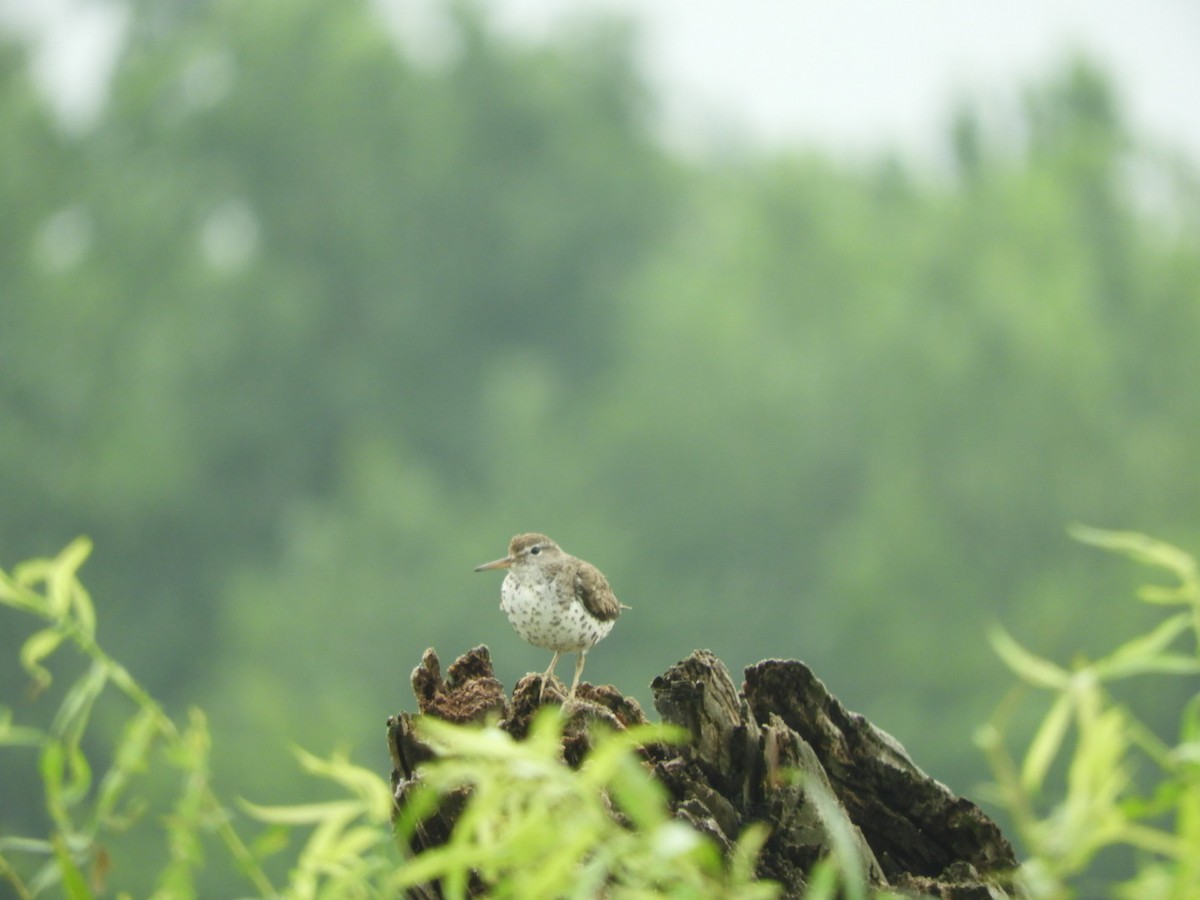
(911, 832)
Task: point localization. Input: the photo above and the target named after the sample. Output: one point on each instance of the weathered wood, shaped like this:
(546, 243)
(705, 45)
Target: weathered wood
(923, 836)
(766, 753)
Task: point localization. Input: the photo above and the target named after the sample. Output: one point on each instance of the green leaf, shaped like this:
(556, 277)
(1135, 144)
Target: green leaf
(37, 647)
(1046, 743)
(304, 813)
(1145, 653)
(52, 766)
(1031, 668)
(1163, 664)
(190, 751)
(17, 735)
(66, 777)
(79, 776)
(1160, 595)
(1189, 726)
(121, 678)
(743, 862)
(431, 864)
(641, 797)
(134, 746)
(823, 881)
(16, 595)
(374, 792)
(1155, 840)
(26, 845)
(355, 842)
(61, 584)
(1144, 549)
(73, 881)
(130, 757)
(420, 802)
(271, 841)
(1097, 773)
(85, 610)
(72, 716)
(841, 833)
(32, 573)
(1188, 752)
(1161, 801)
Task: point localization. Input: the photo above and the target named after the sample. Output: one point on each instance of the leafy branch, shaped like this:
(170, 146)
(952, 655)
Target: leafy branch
(81, 808)
(1102, 807)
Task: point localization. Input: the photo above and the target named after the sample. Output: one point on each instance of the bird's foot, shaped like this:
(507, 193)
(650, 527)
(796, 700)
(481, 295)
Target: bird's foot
(555, 691)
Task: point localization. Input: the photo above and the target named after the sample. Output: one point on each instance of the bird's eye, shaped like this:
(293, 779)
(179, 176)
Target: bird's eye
(535, 550)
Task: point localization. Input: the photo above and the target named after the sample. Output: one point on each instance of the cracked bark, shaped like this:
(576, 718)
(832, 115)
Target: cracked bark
(757, 755)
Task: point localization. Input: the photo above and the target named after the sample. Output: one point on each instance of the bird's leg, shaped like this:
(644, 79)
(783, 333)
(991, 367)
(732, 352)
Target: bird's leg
(546, 677)
(578, 671)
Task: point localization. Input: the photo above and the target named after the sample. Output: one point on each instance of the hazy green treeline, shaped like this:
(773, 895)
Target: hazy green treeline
(305, 328)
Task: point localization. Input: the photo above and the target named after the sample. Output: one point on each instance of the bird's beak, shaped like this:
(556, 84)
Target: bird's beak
(496, 564)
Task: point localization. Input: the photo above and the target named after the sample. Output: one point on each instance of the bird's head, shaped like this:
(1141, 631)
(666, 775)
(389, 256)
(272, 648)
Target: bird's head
(525, 550)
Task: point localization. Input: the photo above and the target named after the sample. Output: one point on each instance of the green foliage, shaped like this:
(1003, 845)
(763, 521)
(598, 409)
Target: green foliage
(350, 850)
(86, 804)
(535, 828)
(1103, 805)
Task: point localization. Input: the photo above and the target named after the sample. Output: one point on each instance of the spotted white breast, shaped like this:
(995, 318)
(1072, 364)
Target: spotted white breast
(553, 620)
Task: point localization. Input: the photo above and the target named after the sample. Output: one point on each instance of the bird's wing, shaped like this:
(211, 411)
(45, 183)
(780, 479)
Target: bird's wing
(592, 590)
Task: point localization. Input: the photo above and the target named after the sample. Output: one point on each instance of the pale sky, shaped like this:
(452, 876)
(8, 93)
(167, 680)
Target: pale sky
(857, 75)
(852, 76)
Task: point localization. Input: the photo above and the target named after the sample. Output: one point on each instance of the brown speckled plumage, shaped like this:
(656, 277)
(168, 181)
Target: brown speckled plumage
(554, 600)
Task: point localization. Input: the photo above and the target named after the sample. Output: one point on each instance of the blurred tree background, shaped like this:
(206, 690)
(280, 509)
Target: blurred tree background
(307, 325)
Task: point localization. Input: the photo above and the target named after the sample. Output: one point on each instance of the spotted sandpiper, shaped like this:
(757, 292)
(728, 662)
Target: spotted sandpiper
(554, 600)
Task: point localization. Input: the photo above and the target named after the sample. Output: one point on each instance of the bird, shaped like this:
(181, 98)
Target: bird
(555, 601)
